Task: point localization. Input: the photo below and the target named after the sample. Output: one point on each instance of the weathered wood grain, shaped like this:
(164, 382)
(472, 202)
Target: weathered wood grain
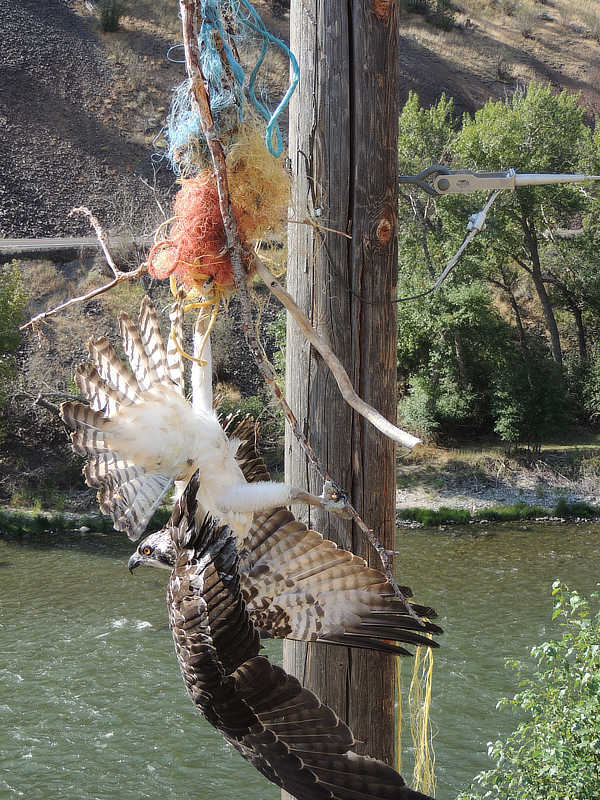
(343, 140)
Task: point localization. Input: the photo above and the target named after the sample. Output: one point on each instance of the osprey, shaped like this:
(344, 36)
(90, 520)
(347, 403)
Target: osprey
(296, 583)
(141, 435)
(281, 728)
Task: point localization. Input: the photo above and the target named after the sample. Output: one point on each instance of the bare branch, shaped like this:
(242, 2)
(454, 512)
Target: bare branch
(119, 276)
(41, 401)
(102, 238)
(337, 370)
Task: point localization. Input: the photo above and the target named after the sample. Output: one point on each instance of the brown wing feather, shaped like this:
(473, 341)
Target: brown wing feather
(111, 369)
(243, 428)
(152, 341)
(142, 367)
(299, 585)
(99, 394)
(303, 746)
(279, 727)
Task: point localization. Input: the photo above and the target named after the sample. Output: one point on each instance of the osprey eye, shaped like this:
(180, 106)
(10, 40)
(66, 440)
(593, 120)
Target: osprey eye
(147, 550)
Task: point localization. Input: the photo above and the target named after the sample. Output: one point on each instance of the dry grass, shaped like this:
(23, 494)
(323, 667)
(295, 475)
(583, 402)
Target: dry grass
(566, 12)
(46, 282)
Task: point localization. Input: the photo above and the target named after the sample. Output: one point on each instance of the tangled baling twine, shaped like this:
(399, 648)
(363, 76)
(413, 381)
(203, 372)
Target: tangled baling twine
(191, 247)
(418, 708)
(194, 248)
(419, 705)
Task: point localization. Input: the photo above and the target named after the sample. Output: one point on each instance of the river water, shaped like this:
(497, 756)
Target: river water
(92, 706)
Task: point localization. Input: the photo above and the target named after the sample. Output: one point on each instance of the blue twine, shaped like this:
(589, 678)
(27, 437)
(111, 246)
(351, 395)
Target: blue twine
(175, 60)
(183, 126)
(272, 127)
(221, 94)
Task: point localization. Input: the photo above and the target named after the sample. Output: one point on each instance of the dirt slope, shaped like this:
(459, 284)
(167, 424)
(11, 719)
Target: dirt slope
(58, 148)
(80, 111)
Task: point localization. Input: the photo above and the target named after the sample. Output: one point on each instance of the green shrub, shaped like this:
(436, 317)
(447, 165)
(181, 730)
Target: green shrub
(417, 409)
(555, 753)
(13, 299)
(442, 15)
(515, 511)
(110, 14)
(429, 517)
(526, 411)
(576, 509)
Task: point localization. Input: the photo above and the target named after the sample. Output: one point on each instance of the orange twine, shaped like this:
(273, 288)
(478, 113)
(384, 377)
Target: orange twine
(195, 247)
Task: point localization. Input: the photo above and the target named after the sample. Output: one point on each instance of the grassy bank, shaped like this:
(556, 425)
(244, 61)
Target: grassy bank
(22, 521)
(563, 509)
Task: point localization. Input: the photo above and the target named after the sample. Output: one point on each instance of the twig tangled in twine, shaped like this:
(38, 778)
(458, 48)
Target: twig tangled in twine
(119, 275)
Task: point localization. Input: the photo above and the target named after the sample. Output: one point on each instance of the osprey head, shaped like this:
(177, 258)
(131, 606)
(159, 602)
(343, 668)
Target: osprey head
(156, 550)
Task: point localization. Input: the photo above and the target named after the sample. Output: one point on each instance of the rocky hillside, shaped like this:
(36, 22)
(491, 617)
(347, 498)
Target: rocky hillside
(61, 147)
(497, 45)
(81, 111)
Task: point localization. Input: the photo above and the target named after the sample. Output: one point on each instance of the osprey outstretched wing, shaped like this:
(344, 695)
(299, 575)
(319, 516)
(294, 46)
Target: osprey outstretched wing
(141, 434)
(281, 728)
(298, 585)
(301, 586)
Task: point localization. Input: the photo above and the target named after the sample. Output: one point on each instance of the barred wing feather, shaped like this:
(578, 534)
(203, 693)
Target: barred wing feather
(302, 586)
(301, 744)
(121, 405)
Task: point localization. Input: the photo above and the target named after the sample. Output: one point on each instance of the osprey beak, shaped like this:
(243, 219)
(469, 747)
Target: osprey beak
(133, 562)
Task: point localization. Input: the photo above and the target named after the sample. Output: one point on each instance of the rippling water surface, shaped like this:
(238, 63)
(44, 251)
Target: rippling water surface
(92, 706)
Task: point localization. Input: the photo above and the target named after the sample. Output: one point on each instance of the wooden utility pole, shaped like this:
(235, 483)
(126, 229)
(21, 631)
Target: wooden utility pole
(343, 149)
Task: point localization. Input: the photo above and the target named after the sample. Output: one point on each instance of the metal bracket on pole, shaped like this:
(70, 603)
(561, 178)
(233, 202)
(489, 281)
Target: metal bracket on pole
(444, 181)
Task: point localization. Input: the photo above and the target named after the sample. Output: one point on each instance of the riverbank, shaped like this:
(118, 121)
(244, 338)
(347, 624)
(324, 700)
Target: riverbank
(25, 521)
(437, 485)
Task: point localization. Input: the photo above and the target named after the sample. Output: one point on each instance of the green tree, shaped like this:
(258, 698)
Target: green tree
(525, 411)
(555, 753)
(12, 306)
(451, 347)
(535, 130)
(522, 246)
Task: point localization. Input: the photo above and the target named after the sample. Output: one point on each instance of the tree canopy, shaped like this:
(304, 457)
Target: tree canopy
(522, 287)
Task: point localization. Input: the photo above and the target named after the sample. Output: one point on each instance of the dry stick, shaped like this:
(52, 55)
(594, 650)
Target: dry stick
(191, 20)
(337, 370)
(119, 276)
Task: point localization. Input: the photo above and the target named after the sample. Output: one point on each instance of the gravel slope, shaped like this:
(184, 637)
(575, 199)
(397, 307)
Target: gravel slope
(55, 150)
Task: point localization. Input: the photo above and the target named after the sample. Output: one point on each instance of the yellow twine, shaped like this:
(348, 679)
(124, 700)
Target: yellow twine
(161, 227)
(183, 353)
(212, 302)
(419, 703)
(398, 682)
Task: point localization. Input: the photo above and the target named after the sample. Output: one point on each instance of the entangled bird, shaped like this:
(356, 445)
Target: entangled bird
(298, 585)
(281, 728)
(141, 434)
